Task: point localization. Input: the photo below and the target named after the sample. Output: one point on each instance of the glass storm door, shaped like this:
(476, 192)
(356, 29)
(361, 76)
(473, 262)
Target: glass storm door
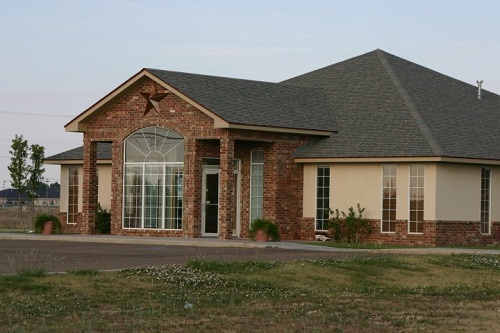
(210, 203)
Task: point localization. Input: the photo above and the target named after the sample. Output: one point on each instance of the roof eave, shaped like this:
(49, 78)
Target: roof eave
(274, 129)
(72, 162)
(401, 159)
(79, 123)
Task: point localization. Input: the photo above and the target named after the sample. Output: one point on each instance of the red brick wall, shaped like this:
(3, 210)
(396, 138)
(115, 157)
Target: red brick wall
(70, 228)
(436, 233)
(283, 178)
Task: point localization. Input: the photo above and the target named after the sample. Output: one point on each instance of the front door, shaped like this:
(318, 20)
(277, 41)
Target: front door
(210, 214)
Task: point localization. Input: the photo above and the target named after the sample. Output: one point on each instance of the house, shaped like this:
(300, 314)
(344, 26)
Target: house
(48, 196)
(185, 155)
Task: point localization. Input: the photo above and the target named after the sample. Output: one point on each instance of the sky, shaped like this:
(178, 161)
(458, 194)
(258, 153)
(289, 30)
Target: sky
(57, 57)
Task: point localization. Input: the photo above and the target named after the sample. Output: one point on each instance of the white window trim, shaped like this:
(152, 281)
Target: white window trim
(409, 200)
(251, 172)
(489, 203)
(382, 199)
(316, 195)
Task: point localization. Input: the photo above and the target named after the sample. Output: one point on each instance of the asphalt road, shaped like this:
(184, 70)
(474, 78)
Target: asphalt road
(63, 256)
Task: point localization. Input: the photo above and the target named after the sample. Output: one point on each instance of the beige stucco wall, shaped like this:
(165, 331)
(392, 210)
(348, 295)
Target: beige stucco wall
(452, 191)
(495, 194)
(104, 188)
(64, 188)
(350, 184)
(353, 183)
(63, 204)
(356, 183)
(309, 199)
(459, 192)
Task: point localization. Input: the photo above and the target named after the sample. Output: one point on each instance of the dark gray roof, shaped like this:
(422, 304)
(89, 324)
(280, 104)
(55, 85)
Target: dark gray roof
(256, 103)
(76, 154)
(386, 106)
(12, 193)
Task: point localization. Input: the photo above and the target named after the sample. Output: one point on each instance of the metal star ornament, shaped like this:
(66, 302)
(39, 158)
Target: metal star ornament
(153, 99)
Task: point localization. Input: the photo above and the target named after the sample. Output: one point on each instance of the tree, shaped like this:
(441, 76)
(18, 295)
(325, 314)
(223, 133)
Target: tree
(18, 167)
(34, 181)
(35, 170)
(26, 177)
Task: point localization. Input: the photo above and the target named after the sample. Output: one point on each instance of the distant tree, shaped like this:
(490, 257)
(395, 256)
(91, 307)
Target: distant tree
(26, 175)
(18, 167)
(35, 174)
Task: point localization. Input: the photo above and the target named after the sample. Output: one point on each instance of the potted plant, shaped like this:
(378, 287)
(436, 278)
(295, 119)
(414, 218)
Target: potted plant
(263, 230)
(46, 224)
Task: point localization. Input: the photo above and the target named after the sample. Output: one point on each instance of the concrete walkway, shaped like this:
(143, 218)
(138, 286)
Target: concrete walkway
(233, 243)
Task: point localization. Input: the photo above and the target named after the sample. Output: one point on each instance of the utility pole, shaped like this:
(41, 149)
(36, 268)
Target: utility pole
(47, 195)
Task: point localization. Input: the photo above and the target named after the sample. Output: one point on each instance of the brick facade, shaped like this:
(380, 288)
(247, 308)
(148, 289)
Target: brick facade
(283, 178)
(436, 233)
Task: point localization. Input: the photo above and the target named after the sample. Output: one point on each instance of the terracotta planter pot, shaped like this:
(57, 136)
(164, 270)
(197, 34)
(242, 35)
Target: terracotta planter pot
(48, 227)
(261, 236)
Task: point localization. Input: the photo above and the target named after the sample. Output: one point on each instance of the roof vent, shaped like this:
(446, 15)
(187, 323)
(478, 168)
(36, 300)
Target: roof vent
(479, 93)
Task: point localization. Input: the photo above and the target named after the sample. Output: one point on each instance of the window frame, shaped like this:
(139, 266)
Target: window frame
(485, 202)
(392, 211)
(325, 199)
(73, 197)
(419, 212)
(259, 207)
(169, 176)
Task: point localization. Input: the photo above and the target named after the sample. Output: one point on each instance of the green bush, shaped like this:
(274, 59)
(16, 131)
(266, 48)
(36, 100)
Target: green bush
(103, 220)
(349, 228)
(42, 218)
(266, 226)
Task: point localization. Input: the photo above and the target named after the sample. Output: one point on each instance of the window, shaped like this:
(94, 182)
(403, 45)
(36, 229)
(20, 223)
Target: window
(416, 221)
(485, 200)
(73, 194)
(153, 179)
(322, 198)
(256, 184)
(389, 186)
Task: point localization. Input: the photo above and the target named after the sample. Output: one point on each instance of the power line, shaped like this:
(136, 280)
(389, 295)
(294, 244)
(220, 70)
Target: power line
(56, 143)
(36, 114)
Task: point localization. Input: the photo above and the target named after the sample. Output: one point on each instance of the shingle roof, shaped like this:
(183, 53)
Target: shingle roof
(386, 106)
(12, 193)
(380, 105)
(256, 103)
(76, 154)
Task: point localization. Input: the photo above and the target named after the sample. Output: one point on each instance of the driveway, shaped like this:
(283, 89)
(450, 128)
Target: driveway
(62, 256)
(62, 253)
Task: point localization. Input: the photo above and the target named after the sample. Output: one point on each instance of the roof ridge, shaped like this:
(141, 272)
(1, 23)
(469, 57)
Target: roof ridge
(152, 70)
(424, 129)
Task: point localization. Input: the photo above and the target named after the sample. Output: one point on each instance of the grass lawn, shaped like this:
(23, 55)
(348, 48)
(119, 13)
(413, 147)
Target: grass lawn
(388, 246)
(445, 293)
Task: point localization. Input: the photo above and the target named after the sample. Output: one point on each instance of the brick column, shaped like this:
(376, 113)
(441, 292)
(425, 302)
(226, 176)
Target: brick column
(191, 216)
(89, 186)
(226, 187)
(117, 181)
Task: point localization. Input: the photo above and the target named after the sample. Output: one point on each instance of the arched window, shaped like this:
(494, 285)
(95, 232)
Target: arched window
(153, 179)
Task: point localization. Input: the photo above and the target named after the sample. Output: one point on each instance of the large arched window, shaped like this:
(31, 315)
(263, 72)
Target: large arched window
(153, 179)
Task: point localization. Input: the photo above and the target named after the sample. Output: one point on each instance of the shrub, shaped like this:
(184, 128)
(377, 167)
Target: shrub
(267, 227)
(349, 228)
(103, 220)
(42, 218)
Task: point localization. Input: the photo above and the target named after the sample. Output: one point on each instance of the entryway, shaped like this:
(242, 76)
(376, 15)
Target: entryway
(210, 198)
(210, 213)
